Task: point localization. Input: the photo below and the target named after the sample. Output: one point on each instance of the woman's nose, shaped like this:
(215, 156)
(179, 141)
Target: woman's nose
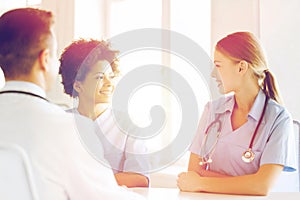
(107, 80)
(214, 73)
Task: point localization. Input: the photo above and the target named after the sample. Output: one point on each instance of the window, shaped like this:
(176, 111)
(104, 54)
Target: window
(88, 19)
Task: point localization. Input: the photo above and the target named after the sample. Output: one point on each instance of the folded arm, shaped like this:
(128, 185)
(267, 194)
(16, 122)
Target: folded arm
(253, 184)
(130, 179)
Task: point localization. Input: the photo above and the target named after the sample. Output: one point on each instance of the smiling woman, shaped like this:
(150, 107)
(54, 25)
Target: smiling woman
(96, 88)
(88, 69)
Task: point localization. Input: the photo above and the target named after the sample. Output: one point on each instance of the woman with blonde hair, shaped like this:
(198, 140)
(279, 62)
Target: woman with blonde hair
(245, 138)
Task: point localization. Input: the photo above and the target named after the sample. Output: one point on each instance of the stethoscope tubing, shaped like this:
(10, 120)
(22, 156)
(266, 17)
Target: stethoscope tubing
(219, 123)
(23, 92)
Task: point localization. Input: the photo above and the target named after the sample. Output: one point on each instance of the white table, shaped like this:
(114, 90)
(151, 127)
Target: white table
(175, 194)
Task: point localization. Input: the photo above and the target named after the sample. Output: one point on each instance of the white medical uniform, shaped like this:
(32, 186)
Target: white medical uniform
(123, 152)
(62, 166)
(273, 144)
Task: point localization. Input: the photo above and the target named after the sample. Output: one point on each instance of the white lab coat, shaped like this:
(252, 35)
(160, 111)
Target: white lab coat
(62, 166)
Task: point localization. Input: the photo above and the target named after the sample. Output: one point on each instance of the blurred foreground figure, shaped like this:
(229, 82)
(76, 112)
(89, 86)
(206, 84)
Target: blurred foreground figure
(63, 169)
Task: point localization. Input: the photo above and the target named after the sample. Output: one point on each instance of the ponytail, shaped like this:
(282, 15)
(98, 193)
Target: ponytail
(270, 87)
(245, 46)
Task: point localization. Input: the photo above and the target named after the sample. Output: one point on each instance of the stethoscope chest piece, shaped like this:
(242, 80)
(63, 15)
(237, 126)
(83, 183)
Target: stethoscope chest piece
(205, 161)
(248, 156)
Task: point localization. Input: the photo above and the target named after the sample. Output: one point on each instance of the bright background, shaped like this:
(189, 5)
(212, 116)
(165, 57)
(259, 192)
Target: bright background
(275, 22)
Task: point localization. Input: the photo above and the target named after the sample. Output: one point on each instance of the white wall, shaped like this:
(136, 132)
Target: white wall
(64, 29)
(280, 31)
(233, 15)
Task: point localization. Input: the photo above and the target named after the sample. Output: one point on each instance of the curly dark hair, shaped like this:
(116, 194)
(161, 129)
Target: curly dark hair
(78, 58)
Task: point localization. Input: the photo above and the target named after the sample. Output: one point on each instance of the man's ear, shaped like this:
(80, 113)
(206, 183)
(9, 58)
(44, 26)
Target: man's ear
(77, 86)
(243, 67)
(44, 59)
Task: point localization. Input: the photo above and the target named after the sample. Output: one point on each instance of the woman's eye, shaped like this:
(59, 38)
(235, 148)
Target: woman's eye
(99, 77)
(112, 76)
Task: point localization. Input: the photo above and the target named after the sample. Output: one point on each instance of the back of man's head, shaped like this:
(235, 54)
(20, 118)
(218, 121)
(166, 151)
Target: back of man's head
(24, 33)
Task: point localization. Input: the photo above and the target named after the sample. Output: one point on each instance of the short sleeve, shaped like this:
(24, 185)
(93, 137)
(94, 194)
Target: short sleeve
(280, 148)
(135, 151)
(196, 143)
(136, 156)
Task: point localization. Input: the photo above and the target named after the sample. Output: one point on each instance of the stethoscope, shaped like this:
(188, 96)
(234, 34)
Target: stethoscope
(23, 92)
(248, 156)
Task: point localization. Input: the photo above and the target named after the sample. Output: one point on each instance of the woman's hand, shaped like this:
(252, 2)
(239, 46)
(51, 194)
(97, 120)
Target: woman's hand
(189, 181)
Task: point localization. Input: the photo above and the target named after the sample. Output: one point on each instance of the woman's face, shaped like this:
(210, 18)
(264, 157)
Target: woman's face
(225, 72)
(98, 86)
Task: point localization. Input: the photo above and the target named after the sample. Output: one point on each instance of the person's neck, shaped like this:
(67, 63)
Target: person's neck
(30, 79)
(245, 98)
(91, 110)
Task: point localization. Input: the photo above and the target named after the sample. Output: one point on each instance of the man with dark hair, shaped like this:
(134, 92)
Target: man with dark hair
(63, 168)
